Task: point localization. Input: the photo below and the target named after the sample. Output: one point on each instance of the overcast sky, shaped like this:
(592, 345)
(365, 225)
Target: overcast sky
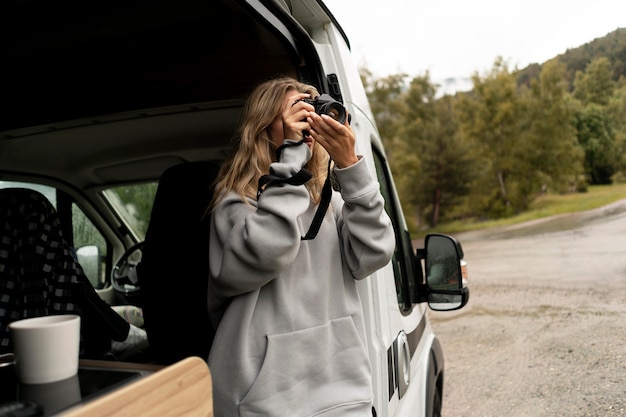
(455, 38)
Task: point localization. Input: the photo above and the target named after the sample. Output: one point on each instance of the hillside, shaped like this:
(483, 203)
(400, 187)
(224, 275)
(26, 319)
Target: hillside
(611, 46)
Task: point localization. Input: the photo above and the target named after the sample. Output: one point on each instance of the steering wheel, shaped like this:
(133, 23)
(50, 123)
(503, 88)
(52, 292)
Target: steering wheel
(124, 274)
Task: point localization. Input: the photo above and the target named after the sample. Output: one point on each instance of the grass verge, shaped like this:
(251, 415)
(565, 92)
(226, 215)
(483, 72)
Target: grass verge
(544, 206)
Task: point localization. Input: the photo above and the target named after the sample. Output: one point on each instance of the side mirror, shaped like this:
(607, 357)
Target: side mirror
(445, 268)
(89, 259)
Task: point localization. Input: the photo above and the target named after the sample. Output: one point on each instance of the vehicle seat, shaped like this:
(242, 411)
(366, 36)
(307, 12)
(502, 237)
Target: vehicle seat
(40, 276)
(174, 269)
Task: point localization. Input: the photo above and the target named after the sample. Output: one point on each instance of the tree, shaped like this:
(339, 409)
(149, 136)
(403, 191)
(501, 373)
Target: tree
(548, 151)
(384, 97)
(594, 89)
(432, 128)
(595, 84)
(490, 119)
(596, 137)
(616, 110)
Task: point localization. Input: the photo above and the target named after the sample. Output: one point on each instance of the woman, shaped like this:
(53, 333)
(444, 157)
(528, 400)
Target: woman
(292, 338)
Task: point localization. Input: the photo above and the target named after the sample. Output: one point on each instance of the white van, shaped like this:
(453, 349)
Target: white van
(101, 98)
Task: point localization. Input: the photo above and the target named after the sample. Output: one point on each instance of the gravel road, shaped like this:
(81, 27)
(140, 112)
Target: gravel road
(544, 333)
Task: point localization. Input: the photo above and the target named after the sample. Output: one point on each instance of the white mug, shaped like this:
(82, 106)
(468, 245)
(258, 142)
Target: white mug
(46, 348)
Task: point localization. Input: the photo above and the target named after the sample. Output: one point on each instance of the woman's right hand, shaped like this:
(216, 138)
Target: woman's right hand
(295, 114)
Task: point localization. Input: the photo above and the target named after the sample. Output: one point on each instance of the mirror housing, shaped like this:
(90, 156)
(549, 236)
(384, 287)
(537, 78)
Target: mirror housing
(89, 259)
(445, 285)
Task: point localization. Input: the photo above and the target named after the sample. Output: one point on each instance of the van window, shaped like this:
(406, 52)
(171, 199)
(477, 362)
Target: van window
(133, 204)
(403, 256)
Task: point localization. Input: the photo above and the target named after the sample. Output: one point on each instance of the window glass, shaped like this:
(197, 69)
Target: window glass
(402, 255)
(47, 191)
(133, 203)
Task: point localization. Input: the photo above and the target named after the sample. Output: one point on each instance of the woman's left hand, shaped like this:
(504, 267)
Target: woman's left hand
(337, 139)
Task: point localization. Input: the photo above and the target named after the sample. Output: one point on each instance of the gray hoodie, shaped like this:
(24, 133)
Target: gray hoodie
(292, 339)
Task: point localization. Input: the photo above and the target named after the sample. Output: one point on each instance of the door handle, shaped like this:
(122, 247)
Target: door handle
(403, 363)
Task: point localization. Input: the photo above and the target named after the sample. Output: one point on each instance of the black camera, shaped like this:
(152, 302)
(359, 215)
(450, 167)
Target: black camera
(325, 104)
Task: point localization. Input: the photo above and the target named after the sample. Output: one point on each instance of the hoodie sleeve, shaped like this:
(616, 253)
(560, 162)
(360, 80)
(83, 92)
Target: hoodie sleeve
(365, 229)
(252, 242)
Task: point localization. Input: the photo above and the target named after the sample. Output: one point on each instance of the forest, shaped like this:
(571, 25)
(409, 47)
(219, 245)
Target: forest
(488, 153)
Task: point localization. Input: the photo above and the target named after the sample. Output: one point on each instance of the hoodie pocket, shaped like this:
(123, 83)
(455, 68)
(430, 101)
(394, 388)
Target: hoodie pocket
(309, 371)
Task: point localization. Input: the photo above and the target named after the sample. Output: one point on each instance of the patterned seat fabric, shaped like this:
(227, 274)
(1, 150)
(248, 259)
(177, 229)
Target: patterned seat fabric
(40, 276)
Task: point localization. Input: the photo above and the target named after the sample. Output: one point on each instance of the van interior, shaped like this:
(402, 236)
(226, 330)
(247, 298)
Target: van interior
(111, 94)
(106, 92)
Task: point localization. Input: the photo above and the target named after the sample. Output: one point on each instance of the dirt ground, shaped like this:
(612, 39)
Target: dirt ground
(544, 333)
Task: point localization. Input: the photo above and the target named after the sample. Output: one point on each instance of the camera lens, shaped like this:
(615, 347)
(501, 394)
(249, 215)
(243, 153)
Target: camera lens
(335, 110)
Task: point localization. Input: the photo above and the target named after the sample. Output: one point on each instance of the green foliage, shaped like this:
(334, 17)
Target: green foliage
(134, 203)
(517, 137)
(446, 164)
(595, 135)
(388, 109)
(385, 98)
(490, 119)
(598, 121)
(616, 112)
(549, 150)
(612, 46)
(595, 84)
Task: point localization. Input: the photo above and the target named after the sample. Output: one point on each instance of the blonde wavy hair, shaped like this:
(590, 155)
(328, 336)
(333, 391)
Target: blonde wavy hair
(254, 150)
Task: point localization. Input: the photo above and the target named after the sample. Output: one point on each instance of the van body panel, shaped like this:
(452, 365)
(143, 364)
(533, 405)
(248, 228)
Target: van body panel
(384, 319)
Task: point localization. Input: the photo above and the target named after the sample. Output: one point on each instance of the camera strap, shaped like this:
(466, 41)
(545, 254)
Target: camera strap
(327, 193)
(267, 180)
(301, 178)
